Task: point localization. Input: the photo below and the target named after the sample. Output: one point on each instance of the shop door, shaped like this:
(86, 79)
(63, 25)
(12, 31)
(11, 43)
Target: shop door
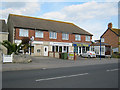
(45, 50)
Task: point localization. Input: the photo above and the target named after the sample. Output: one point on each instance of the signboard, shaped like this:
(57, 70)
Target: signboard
(60, 44)
(7, 58)
(70, 54)
(81, 45)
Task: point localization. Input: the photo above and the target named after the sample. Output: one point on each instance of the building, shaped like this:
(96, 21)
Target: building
(106, 49)
(3, 35)
(48, 35)
(112, 36)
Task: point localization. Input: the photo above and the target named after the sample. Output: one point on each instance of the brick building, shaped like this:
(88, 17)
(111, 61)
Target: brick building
(112, 37)
(48, 35)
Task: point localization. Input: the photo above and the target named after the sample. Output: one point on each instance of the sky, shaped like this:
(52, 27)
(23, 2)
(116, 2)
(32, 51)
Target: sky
(90, 15)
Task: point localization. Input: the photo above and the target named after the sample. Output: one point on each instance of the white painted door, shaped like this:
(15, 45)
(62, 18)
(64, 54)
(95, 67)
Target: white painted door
(45, 50)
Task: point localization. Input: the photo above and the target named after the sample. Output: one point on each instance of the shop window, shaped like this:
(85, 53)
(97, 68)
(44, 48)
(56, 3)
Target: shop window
(79, 49)
(38, 50)
(56, 48)
(53, 48)
(87, 48)
(60, 48)
(67, 49)
(64, 48)
(83, 49)
(75, 49)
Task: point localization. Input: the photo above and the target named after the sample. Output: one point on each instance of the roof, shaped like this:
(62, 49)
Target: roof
(114, 30)
(98, 44)
(46, 24)
(3, 26)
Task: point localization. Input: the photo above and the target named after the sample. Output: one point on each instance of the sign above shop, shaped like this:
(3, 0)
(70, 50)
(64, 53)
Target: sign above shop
(81, 45)
(60, 44)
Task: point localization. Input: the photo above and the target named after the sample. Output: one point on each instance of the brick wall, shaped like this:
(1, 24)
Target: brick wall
(111, 38)
(46, 37)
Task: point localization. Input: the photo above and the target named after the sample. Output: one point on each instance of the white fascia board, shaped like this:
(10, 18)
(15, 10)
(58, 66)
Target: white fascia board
(60, 44)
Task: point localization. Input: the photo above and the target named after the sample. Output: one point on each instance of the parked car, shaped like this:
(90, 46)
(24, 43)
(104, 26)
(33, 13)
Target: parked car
(89, 54)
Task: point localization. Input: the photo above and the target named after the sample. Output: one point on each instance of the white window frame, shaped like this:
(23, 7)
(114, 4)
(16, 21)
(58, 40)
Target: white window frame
(39, 34)
(102, 40)
(65, 36)
(52, 35)
(78, 37)
(22, 33)
(87, 38)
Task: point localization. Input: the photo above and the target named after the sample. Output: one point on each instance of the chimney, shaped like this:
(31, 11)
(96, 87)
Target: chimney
(110, 25)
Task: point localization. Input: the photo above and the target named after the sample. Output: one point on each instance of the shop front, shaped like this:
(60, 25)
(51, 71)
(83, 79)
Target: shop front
(80, 48)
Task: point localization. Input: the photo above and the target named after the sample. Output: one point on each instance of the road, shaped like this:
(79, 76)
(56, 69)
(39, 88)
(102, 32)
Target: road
(92, 76)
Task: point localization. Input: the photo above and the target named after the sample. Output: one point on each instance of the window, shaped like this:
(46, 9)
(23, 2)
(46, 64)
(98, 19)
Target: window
(53, 35)
(65, 36)
(39, 34)
(38, 50)
(23, 32)
(53, 48)
(102, 40)
(56, 48)
(77, 37)
(119, 39)
(87, 38)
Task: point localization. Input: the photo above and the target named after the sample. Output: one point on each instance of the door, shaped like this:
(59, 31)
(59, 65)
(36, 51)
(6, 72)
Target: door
(45, 50)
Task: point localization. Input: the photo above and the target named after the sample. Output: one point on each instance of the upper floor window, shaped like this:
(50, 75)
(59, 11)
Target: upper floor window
(65, 36)
(87, 38)
(23, 32)
(53, 35)
(39, 34)
(77, 37)
(102, 40)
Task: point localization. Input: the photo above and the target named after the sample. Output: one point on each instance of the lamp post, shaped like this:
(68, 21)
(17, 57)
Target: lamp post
(31, 40)
(100, 48)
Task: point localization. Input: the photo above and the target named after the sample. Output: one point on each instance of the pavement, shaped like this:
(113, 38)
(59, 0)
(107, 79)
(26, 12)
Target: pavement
(48, 62)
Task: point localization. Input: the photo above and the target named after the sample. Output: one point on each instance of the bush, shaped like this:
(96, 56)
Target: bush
(116, 55)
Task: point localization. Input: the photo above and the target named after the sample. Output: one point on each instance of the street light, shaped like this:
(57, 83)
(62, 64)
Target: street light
(100, 48)
(31, 40)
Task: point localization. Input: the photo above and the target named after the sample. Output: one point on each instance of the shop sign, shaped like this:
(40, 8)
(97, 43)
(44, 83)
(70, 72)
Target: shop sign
(60, 44)
(71, 55)
(81, 45)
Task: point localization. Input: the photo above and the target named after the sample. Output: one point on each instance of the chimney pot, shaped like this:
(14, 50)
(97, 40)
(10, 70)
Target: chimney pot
(110, 25)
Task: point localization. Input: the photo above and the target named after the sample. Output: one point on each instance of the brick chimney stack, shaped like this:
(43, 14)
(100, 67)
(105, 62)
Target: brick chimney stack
(110, 25)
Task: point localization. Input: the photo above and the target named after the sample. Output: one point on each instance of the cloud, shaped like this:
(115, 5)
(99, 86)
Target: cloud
(27, 8)
(91, 16)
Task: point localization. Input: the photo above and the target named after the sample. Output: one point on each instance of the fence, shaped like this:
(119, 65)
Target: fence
(7, 58)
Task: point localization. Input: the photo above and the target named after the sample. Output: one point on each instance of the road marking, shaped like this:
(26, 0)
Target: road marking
(60, 77)
(112, 70)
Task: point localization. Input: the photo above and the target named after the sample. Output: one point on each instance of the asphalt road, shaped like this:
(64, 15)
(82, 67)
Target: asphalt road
(93, 76)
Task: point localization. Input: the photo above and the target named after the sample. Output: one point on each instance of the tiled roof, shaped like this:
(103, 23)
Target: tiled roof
(45, 24)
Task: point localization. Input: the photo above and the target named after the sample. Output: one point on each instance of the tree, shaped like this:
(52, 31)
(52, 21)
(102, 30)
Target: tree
(12, 47)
